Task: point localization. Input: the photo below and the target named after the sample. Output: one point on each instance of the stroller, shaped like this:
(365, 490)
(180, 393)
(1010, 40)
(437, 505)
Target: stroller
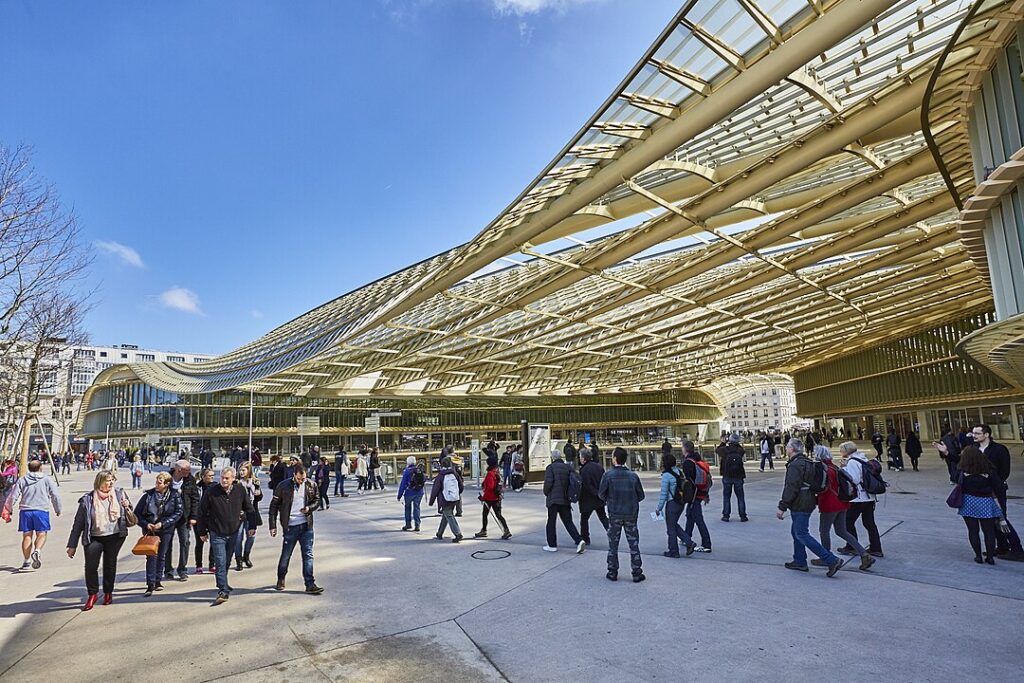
(518, 476)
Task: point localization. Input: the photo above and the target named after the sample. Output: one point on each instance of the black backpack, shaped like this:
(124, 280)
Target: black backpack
(572, 491)
(685, 490)
(819, 477)
(846, 487)
(871, 477)
(418, 479)
(734, 465)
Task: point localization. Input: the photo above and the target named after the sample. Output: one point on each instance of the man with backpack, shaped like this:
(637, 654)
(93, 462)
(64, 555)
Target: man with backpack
(833, 503)
(562, 487)
(622, 492)
(411, 487)
(490, 497)
(867, 474)
(447, 491)
(590, 502)
(803, 481)
(697, 471)
(733, 473)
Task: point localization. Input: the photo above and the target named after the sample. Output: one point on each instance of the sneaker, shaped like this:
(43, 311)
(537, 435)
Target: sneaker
(669, 553)
(457, 538)
(480, 534)
(846, 550)
(549, 549)
(221, 599)
(819, 563)
(725, 519)
(314, 589)
(279, 586)
(505, 536)
(637, 578)
(797, 567)
(37, 562)
(580, 547)
(183, 576)
(438, 537)
(834, 567)
(26, 566)
(247, 562)
(169, 576)
(744, 519)
(148, 593)
(865, 562)
(406, 528)
(702, 549)
(417, 529)
(159, 586)
(612, 576)
(876, 553)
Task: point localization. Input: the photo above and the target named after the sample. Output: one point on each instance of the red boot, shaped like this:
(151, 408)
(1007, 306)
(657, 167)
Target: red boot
(90, 602)
(108, 598)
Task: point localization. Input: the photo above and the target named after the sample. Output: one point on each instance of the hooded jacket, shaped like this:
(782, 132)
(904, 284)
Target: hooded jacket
(35, 491)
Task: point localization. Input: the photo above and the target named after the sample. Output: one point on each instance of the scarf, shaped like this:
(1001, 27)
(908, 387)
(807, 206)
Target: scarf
(101, 500)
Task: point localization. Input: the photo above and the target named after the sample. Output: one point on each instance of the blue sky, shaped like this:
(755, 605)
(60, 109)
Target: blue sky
(238, 163)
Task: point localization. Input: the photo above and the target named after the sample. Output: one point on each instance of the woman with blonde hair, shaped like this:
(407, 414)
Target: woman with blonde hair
(243, 542)
(101, 525)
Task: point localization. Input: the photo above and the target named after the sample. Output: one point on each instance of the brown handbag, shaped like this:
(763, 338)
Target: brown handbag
(147, 546)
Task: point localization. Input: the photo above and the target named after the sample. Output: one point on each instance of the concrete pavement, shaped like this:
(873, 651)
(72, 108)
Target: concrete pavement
(404, 607)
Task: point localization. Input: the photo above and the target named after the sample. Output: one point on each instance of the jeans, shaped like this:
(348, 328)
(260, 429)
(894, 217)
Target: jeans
(837, 521)
(155, 563)
(494, 505)
(303, 535)
(866, 512)
(105, 547)
(182, 532)
(695, 517)
(219, 556)
(412, 509)
(339, 485)
(616, 525)
(1010, 541)
(324, 491)
(587, 508)
(136, 481)
(728, 486)
(448, 519)
(767, 457)
(673, 511)
(243, 542)
(802, 540)
(565, 512)
(506, 473)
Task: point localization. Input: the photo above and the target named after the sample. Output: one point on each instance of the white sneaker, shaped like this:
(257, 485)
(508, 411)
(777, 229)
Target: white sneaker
(36, 562)
(549, 549)
(581, 546)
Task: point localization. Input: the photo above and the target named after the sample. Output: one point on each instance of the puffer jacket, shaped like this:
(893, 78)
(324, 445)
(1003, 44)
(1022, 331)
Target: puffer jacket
(149, 512)
(556, 483)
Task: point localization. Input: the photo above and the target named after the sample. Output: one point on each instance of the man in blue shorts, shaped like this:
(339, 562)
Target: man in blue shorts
(35, 492)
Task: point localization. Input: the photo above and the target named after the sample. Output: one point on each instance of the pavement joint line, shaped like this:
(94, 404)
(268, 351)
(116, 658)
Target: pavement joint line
(310, 652)
(481, 650)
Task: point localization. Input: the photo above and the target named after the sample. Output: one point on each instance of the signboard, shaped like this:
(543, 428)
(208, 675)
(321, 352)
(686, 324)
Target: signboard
(475, 446)
(540, 447)
(152, 438)
(184, 447)
(371, 424)
(308, 425)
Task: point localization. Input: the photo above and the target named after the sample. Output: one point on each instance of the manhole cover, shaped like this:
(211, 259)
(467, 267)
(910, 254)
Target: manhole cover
(490, 554)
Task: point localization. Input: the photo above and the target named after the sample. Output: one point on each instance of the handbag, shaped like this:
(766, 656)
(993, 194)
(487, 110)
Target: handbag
(129, 513)
(956, 496)
(147, 546)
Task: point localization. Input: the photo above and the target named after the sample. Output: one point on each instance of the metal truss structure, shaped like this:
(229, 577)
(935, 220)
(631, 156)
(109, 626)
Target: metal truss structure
(755, 197)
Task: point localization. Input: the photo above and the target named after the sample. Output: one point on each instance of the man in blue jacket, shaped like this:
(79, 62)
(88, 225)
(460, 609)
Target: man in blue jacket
(622, 492)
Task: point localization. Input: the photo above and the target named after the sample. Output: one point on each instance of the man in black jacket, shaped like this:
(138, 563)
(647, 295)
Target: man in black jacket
(590, 502)
(184, 483)
(1007, 545)
(570, 453)
(220, 516)
(278, 472)
(733, 473)
(297, 522)
(556, 494)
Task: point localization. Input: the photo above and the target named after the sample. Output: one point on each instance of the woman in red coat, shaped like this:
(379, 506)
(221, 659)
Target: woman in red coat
(832, 512)
(491, 498)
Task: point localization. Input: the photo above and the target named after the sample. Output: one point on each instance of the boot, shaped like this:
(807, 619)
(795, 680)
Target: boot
(246, 562)
(238, 565)
(89, 603)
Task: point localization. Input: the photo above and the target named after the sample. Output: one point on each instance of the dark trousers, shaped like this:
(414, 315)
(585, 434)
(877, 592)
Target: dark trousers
(695, 517)
(676, 533)
(587, 508)
(362, 484)
(951, 466)
(565, 513)
(1011, 541)
(866, 513)
(974, 525)
(107, 548)
(182, 533)
(155, 563)
(494, 505)
(728, 486)
(767, 457)
(325, 501)
(199, 549)
(616, 525)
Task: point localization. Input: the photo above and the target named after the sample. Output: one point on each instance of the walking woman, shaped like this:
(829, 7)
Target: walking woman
(322, 479)
(243, 542)
(158, 511)
(203, 482)
(672, 479)
(980, 508)
(913, 449)
(361, 471)
(136, 469)
(101, 525)
(832, 512)
(491, 499)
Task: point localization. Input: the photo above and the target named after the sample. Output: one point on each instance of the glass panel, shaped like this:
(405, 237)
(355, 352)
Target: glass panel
(999, 419)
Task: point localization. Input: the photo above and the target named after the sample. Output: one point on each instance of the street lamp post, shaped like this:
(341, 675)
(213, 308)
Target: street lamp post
(250, 424)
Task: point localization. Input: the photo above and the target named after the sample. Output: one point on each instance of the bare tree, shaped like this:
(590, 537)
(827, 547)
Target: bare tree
(42, 303)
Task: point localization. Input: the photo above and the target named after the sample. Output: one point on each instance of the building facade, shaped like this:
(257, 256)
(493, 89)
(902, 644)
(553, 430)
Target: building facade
(765, 409)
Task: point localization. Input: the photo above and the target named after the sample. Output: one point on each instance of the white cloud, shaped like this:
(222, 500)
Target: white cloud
(127, 255)
(523, 7)
(181, 299)
(256, 313)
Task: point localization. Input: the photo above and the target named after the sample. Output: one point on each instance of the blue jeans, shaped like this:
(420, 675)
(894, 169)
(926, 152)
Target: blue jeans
(155, 563)
(219, 554)
(243, 542)
(136, 481)
(412, 508)
(767, 457)
(303, 535)
(673, 511)
(728, 486)
(339, 485)
(802, 540)
(506, 472)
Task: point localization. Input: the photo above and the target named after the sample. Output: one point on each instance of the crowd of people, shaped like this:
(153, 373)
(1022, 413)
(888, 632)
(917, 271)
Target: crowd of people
(220, 514)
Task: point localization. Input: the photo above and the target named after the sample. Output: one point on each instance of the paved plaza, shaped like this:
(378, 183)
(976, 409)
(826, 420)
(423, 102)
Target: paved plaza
(404, 607)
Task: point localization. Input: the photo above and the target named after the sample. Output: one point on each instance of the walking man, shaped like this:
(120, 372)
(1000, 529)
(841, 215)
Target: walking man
(34, 493)
(733, 474)
(697, 471)
(556, 495)
(447, 491)
(221, 511)
(295, 500)
(340, 472)
(798, 498)
(184, 483)
(621, 490)
(590, 499)
(411, 488)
